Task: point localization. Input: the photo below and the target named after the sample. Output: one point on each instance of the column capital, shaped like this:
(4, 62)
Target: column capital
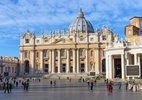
(21, 50)
(41, 50)
(86, 48)
(32, 50)
(67, 48)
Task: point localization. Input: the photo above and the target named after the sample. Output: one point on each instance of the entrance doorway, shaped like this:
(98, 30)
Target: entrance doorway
(103, 65)
(117, 67)
(26, 63)
(46, 68)
(82, 67)
(64, 68)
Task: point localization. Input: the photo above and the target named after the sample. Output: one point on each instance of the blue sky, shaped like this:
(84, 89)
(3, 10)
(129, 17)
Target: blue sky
(16, 16)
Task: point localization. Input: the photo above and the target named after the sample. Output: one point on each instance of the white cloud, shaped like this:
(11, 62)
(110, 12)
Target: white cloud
(19, 15)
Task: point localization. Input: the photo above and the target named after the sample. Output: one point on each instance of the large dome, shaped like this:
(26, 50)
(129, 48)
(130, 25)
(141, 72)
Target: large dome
(81, 24)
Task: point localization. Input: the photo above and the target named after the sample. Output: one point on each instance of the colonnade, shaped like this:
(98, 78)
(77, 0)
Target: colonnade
(76, 64)
(124, 62)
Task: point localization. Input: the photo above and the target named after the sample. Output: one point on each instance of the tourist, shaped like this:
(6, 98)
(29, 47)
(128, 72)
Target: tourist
(54, 83)
(83, 80)
(129, 85)
(119, 85)
(88, 82)
(95, 82)
(6, 87)
(27, 85)
(51, 82)
(134, 87)
(10, 87)
(126, 84)
(70, 79)
(109, 87)
(16, 83)
(91, 85)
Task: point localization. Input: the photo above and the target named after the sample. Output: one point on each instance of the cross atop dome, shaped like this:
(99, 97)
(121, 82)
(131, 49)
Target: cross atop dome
(80, 14)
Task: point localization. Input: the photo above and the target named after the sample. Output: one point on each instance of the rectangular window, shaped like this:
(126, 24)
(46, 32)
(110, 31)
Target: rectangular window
(91, 39)
(27, 41)
(70, 53)
(63, 53)
(46, 41)
(45, 54)
(104, 38)
(37, 41)
(56, 54)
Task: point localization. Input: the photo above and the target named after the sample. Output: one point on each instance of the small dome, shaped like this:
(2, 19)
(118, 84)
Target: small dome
(81, 24)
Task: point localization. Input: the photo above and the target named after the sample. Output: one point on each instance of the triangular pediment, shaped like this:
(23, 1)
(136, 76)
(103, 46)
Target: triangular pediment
(63, 41)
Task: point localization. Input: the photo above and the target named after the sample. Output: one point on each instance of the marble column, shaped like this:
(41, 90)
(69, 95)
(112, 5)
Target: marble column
(78, 61)
(41, 61)
(59, 61)
(122, 66)
(135, 59)
(32, 62)
(139, 63)
(86, 66)
(53, 61)
(110, 67)
(21, 63)
(107, 67)
(50, 61)
(68, 62)
(74, 60)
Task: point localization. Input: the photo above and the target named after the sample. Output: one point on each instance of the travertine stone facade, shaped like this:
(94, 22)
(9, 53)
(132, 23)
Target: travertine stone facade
(10, 65)
(68, 51)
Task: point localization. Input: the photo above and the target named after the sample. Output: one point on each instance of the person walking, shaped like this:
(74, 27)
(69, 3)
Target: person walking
(16, 83)
(109, 87)
(92, 85)
(88, 82)
(95, 82)
(6, 87)
(27, 85)
(126, 84)
(54, 83)
(51, 83)
(119, 85)
(10, 87)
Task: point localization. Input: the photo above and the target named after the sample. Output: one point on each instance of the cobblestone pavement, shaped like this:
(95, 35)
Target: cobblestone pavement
(65, 90)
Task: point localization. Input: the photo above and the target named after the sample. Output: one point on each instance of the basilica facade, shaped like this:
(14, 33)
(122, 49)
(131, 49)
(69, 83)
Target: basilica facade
(75, 50)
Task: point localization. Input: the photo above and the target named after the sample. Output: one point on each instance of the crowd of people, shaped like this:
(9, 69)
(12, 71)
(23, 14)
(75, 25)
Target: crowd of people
(8, 84)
